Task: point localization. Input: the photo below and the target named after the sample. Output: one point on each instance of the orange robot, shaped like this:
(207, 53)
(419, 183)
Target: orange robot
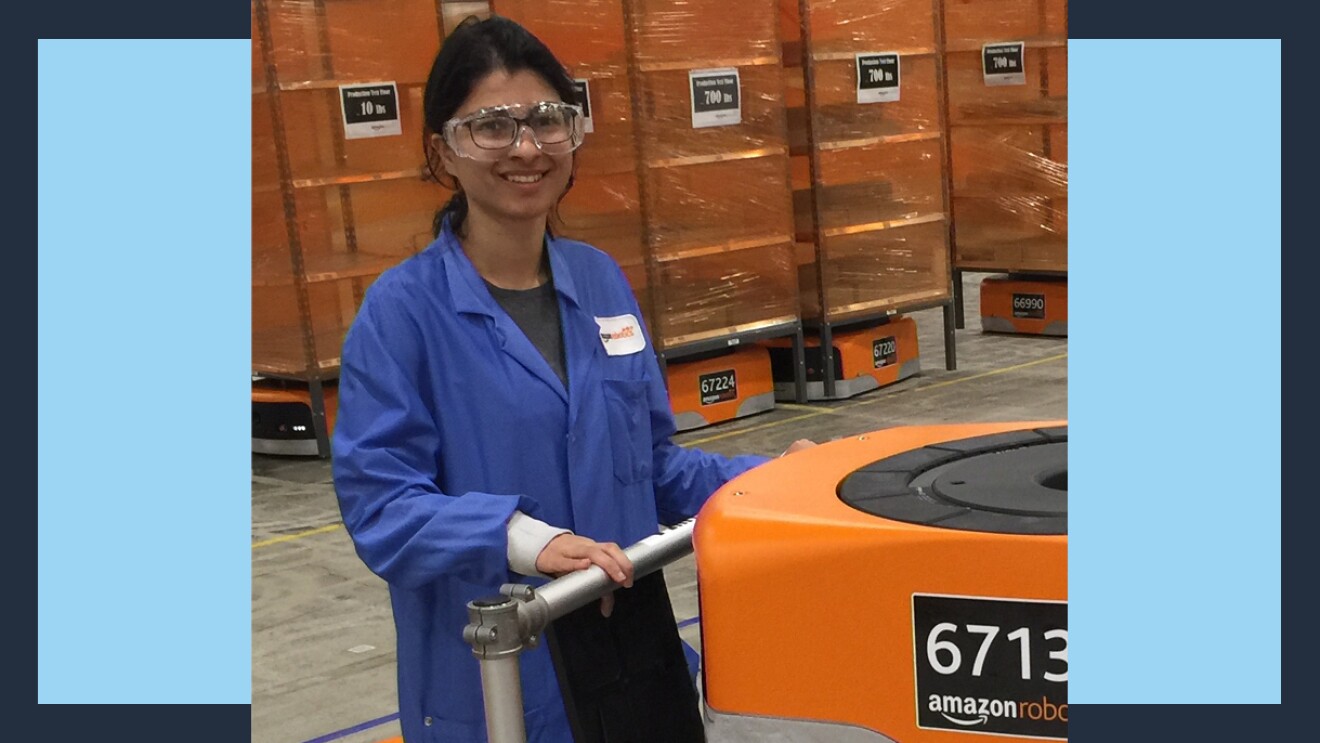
(721, 386)
(863, 359)
(282, 417)
(1024, 305)
(904, 586)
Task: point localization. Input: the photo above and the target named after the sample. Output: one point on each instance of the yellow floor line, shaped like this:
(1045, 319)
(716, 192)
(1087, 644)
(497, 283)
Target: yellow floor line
(960, 380)
(762, 427)
(804, 408)
(299, 535)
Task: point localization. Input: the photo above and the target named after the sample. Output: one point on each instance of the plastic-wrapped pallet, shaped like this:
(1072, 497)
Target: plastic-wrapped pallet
(1007, 63)
(714, 165)
(869, 190)
(350, 205)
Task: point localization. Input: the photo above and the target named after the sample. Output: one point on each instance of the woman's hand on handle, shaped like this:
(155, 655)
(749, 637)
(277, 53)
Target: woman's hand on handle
(569, 553)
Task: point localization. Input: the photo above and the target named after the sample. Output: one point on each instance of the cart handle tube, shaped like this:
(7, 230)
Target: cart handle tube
(575, 590)
(501, 628)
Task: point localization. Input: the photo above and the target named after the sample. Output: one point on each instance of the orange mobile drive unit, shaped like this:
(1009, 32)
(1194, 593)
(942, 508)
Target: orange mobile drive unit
(904, 586)
(1018, 305)
(720, 387)
(282, 417)
(865, 359)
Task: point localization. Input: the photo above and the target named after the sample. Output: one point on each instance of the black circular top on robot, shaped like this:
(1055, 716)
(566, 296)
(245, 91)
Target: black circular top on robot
(1006, 483)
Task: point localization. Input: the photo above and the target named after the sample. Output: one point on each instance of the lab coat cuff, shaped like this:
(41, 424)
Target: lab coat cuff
(527, 538)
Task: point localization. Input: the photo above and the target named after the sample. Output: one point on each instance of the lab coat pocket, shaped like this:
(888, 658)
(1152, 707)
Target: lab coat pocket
(630, 428)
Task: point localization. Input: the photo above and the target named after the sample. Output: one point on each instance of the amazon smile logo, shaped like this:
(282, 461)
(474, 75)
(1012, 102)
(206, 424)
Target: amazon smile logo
(966, 723)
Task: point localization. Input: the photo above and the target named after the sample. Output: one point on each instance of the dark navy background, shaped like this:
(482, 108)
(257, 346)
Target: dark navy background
(1219, 19)
(24, 24)
(231, 19)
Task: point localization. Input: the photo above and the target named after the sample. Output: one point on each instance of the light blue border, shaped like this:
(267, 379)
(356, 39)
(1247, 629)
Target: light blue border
(144, 501)
(1174, 371)
(143, 365)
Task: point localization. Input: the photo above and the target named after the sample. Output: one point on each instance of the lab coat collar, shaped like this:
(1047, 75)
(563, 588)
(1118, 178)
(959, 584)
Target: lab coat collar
(470, 295)
(563, 275)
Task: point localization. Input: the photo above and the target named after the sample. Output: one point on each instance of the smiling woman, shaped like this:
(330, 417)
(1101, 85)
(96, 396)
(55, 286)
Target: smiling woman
(502, 418)
(492, 83)
(506, 178)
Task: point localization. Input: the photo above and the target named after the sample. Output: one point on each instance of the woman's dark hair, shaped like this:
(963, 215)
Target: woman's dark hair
(475, 49)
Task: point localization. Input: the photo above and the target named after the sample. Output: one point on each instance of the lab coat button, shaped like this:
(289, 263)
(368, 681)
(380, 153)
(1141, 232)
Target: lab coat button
(427, 722)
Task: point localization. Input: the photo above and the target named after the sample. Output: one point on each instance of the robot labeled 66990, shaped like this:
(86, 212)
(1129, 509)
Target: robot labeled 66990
(903, 586)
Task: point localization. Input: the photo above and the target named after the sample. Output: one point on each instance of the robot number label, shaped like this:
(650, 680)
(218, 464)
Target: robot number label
(991, 665)
(1029, 305)
(721, 386)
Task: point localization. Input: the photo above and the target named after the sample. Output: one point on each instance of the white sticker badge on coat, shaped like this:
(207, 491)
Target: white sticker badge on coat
(621, 335)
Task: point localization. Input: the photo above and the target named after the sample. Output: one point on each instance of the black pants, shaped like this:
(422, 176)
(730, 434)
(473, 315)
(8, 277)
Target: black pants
(625, 678)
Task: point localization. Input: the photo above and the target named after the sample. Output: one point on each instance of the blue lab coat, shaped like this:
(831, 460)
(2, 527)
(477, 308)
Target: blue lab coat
(449, 419)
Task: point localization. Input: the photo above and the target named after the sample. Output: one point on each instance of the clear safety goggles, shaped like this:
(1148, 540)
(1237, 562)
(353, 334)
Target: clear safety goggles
(556, 129)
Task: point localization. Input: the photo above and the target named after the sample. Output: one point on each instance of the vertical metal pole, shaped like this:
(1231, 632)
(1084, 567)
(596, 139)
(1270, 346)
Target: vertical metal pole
(1047, 148)
(339, 145)
(501, 688)
(799, 347)
(950, 343)
(827, 358)
(654, 297)
(813, 163)
(799, 366)
(958, 298)
(337, 136)
(497, 642)
(946, 129)
(946, 147)
(320, 425)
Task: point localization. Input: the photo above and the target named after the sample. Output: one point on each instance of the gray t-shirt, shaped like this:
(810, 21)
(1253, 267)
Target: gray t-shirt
(536, 312)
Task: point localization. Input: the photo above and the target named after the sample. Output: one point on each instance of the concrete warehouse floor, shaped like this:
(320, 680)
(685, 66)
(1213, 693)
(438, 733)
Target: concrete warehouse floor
(323, 660)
